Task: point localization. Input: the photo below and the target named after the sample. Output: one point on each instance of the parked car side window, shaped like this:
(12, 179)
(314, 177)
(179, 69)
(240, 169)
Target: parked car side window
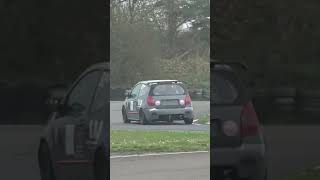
(81, 96)
(101, 96)
(135, 91)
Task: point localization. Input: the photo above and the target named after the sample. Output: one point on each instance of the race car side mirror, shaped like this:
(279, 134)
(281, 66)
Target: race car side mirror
(128, 93)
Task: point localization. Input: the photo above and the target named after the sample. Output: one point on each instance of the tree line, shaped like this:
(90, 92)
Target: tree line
(277, 39)
(51, 39)
(159, 39)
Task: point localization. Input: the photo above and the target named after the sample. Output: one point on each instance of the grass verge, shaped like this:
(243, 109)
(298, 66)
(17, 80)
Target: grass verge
(310, 174)
(124, 141)
(204, 119)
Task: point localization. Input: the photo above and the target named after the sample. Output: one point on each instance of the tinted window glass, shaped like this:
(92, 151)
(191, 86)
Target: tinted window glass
(223, 90)
(82, 94)
(168, 90)
(101, 97)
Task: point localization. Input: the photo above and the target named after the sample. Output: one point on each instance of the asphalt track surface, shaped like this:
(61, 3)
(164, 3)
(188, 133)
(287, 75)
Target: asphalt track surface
(170, 167)
(290, 149)
(200, 108)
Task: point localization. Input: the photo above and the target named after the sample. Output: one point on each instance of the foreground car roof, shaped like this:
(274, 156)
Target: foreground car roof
(158, 81)
(102, 66)
(228, 65)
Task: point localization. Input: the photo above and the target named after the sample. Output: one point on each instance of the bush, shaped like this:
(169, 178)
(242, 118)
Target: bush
(194, 71)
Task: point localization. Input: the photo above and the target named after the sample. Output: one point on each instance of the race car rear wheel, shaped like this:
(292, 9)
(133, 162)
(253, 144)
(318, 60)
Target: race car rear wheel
(101, 170)
(188, 121)
(124, 116)
(45, 163)
(142, 118)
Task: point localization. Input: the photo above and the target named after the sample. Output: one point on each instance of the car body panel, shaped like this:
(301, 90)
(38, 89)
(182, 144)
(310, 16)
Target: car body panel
(153, 114)
(73, 138)
(220, 114)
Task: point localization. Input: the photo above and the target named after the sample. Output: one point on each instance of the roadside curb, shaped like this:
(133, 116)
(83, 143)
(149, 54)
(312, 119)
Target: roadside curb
(196, 120)
(155, 154)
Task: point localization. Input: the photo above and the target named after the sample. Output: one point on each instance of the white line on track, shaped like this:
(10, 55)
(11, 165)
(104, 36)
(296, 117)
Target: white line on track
(157, 154)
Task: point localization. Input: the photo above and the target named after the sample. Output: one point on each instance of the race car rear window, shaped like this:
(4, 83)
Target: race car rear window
(168, 90)
(224, 90)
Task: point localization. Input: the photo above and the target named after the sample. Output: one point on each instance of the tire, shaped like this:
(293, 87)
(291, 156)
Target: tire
(45, 163)
(188, 121)
(142, 118)
(101, 171)
(124, 116)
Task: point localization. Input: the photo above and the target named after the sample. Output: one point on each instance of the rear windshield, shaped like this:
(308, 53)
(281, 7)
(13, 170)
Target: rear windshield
(168, 90)
(224, 90)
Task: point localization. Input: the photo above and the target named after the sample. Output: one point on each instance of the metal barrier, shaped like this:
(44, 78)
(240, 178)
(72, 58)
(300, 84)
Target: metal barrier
(288, 105)
(117, 94)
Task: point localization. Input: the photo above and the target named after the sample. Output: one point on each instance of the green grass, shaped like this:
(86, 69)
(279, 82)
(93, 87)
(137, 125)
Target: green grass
(123, 141)
(204, 119)
(310, 174)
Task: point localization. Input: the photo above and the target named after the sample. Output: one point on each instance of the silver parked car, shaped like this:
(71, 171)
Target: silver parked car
(158, 100)
(238, 147)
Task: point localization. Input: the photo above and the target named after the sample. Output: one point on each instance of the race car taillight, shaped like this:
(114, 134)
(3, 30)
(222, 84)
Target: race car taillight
(230, 128)
(187, 100)
(150, 101)
(249, 121)
(157, 103)
(181, 102)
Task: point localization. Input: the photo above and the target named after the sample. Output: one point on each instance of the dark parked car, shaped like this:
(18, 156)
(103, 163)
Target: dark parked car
(158, 100)
(75, 143)
(238, 143)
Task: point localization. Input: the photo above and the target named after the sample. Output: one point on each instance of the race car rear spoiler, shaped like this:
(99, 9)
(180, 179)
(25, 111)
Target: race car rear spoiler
(170, 82)
(247, 77)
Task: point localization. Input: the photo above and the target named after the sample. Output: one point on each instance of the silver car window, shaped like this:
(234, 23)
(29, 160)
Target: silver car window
(168, 90)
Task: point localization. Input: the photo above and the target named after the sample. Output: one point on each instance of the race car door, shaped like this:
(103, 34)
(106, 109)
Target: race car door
(132, 103)
(73, 152)
(142, 96)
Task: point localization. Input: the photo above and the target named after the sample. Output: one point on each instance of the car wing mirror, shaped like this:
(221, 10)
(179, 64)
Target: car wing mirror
(127, 93)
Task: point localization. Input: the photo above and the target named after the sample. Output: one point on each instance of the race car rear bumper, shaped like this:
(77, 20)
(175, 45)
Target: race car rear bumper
(175, 114)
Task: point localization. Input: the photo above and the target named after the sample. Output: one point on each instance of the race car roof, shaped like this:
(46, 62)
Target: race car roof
(158, 81)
